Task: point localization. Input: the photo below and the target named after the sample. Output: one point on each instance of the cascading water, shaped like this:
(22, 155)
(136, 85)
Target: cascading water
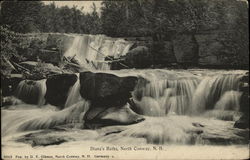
(90, 50)
(74, 94)
(31, 91)
(41, 118)
(176, 100)
(190, 95)
(167, 93)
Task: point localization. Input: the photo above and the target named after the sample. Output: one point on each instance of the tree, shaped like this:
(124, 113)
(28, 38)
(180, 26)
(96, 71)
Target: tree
(21, 16)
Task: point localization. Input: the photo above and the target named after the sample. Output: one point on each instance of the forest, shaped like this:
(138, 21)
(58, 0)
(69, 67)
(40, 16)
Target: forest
(125, 18)
(141, 77)
(161, 21)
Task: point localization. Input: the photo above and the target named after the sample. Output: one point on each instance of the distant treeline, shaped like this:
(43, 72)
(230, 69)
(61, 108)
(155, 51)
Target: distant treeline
(35, 16)
(159, 18)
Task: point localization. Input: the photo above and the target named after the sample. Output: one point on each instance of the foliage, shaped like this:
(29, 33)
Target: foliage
(7, 36)
(167, 18)
(34, 16)
(162, 20)
(21, 16)
(39, 72)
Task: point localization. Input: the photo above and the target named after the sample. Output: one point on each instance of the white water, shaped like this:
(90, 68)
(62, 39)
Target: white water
(74, 94)
(28, 117)
(188, 111)
(187, 93)
(90, 50)
(32, 91)
(172, 102)
(193, 93)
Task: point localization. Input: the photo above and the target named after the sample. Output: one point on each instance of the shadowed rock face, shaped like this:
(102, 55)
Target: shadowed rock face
(8, 85)
(109, 95)
(100, 117)
(139, 57)
(104, 89)
(58, 87)
(243, 122)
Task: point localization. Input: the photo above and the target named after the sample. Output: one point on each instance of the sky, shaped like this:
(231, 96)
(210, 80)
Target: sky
(86, 4)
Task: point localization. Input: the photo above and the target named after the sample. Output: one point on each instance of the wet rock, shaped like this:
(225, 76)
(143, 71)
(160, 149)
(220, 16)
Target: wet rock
(10, 100)
(99, 117)
(106, 90)
(139, 57)
(197, 125)
(243, 122)
(43, 138)
(185, 49)
(58, 87)
(9, 84)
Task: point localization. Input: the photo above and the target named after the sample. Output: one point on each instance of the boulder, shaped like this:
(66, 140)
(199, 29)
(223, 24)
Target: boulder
(185, 49)
(106, 90)
(243, 122)
(9, 84)
(44, 138)
(11, 100)
(58, 87)
(100, 117)
(139, 57)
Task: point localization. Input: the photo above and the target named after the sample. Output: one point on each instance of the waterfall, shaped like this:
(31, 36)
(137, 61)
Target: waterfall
(41, 118)
(31, 92)
(90, 50)
(190, 95)
(74, 94)
(181, 94)
(167, 93)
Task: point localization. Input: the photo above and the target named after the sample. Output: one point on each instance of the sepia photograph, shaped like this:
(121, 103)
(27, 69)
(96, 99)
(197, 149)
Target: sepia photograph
(124, 80)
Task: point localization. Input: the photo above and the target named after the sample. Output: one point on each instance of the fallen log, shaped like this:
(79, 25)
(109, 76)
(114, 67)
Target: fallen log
(21, 68)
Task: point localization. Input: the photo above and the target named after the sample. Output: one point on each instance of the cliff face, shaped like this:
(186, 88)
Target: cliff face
(214, 48)
(221, 43)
